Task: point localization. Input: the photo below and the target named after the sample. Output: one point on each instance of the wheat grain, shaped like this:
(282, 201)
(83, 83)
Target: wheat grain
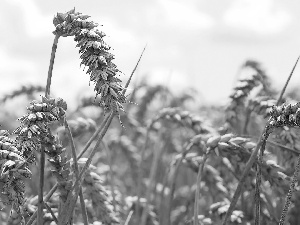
(184, 118)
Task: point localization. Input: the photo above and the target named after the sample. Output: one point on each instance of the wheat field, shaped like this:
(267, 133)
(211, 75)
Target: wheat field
(150, 156)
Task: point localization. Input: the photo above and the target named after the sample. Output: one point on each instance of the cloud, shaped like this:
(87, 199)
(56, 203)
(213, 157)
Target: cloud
(262, 17)
(185, 15)
(15, 72)
(36, 24)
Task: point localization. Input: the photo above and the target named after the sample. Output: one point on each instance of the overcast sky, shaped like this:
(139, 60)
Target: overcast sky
(197, 43)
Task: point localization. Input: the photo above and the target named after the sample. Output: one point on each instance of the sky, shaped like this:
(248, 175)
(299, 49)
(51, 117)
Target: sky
(191, 43)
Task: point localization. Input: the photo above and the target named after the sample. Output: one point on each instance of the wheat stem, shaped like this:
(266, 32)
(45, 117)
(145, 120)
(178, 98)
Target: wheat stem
(41, 187)
(54, 47)
(287, 82)
(284, 147)
(83, 208)
(290, 193)
(42, 157)
(197, 195)
(153, 170)
(172, 189)
(46, 198)
(172, 184)
(128, 217)
(73, 148)
(111, 173)
(257, 195)
(140, 174)
(269, 206)
(162, 197)
(247, 120)
(51, 212)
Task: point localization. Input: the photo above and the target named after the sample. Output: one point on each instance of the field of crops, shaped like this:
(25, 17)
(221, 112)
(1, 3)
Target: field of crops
(147, 156)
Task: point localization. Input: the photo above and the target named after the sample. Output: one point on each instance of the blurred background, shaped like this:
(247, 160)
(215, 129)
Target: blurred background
(191, 43)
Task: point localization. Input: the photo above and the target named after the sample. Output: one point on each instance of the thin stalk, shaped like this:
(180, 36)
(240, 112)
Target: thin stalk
(134, 69)
(83, 208)
(51, 212)
(140, 175)
(290, 193)
(46, 198)
(42, 157)
(172, 184)
(269, 206)
(111, 173)
(41, 187)
(284, 147)
(197, 195)
(172, 190)
(162, 197)
(247, 120)
(245, 132)
(257, 196)
(128, 217)
(287, 82)
(153, 170)
(54, 47)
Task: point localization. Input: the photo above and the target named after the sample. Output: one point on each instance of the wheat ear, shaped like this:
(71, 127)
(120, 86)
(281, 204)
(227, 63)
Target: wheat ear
(27, 90)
